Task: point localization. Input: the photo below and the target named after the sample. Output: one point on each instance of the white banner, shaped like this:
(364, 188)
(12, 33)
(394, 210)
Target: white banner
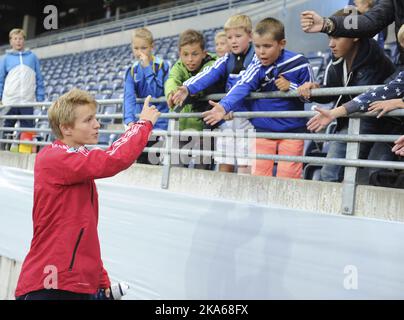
(173, 246)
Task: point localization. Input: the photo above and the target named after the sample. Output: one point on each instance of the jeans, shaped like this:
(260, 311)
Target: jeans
(24, 123)
(335, 173)
(373, 151)
(381, 151)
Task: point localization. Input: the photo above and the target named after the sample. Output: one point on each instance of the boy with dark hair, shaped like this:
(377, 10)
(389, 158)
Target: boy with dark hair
(356, 62)
(380, 100)
(64, 261)
(193, 59)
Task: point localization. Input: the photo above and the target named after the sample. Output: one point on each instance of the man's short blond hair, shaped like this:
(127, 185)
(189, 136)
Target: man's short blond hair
(238, 21)
(400, 35)
(220, 34)
(62, 111)
(143, 33)
(16, 31)
(270, 26)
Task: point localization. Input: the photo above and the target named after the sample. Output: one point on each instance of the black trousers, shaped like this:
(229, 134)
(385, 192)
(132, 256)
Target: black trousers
(24, 123)
(52, 294)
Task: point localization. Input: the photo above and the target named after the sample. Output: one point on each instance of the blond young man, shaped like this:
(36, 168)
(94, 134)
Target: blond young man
(65, 212)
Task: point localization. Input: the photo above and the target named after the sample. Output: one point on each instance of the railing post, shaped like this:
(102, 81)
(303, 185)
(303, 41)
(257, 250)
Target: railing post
(173, 125)
(349, 184)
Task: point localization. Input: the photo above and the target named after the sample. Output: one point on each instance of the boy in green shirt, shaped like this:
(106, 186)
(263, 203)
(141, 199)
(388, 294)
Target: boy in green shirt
(193, 59)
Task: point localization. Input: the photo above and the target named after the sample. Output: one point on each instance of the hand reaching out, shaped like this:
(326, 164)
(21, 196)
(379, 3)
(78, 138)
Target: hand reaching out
(321, 120)
(170, 101)
(398, 148)
(214, 115)
(180, 95)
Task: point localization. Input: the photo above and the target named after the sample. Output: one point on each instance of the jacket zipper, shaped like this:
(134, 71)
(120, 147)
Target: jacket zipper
(75, 249)
(92, 194)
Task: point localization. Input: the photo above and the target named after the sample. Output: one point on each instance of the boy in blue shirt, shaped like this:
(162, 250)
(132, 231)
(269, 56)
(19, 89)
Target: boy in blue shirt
(227, 69)
(273, 68)
(145, 77)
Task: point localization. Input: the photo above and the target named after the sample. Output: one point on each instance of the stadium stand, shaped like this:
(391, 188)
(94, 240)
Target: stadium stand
(101, 71)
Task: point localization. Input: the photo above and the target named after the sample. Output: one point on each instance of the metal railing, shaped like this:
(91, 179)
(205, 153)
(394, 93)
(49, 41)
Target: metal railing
(353, 138)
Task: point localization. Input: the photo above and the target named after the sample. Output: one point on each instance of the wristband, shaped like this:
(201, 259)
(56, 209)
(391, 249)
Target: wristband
(328, 26)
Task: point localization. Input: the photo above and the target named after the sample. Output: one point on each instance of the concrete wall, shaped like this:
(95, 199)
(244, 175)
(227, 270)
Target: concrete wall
(9, 272)
(322, 197)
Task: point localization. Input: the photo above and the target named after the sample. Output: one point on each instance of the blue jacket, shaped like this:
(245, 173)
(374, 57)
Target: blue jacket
(141, 82)
(221, 71)
(295, 68)
(393, 90)
(20, 78)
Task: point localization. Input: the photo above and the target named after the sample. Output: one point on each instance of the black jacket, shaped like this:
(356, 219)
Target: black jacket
(374, 21)
(369, 67)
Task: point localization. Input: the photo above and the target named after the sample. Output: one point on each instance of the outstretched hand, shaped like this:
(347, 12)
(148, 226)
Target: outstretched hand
(180, 95)
(170, 101)
(320, 120)
(214, 115)
(398, 148)
(149, 113)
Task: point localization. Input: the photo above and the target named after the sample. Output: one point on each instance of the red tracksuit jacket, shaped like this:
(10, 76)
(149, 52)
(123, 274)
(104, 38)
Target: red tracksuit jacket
(65, 213)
